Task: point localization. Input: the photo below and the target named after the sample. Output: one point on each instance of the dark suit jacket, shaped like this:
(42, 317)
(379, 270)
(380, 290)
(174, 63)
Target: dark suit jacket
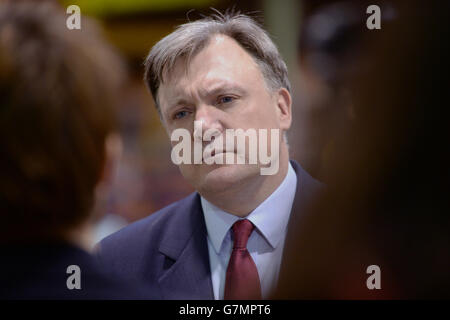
(39, 271)
(168, 250)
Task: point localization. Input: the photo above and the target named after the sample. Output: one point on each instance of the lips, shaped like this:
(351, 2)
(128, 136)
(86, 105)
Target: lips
(213, 153)
(217, 151)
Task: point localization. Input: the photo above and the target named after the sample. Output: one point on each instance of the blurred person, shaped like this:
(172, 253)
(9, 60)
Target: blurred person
(331, 49)
(226, 240)
(387, 197)
(109, 224)
(58, 148)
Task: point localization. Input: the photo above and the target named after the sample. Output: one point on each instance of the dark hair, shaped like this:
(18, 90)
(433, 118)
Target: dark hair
(335, 52)
(56, 109)
(387, 199)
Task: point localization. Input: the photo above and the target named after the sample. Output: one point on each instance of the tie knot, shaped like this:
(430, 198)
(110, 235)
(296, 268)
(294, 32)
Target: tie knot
(241, 232)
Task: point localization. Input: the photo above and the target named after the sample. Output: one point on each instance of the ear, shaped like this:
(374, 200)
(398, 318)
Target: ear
(284, 108)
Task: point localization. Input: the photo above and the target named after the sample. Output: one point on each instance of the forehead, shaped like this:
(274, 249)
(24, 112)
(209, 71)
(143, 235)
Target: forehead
(222, 60)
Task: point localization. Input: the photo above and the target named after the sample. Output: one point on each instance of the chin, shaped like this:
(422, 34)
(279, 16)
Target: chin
(220, 178)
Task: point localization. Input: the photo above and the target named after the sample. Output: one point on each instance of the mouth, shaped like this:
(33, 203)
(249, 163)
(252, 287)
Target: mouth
(218, 153)
(213, 153)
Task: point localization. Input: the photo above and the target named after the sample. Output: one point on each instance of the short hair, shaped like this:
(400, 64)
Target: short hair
(189, 38)
(56, 110)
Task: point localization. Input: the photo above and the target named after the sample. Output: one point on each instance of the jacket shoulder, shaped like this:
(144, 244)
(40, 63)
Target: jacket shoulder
(140, 238)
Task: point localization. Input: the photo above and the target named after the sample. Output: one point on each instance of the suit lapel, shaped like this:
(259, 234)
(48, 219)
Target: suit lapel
(185, 248)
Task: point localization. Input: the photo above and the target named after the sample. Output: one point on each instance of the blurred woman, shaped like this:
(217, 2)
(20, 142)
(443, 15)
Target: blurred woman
(57, 152)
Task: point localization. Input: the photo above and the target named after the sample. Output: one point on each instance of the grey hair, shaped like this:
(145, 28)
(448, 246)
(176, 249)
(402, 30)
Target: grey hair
(189, 38)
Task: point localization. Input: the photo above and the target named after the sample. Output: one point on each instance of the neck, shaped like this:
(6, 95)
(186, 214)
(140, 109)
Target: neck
(82, 236)
(246, 197)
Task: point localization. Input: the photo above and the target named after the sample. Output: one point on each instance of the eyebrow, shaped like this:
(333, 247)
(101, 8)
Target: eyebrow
(223, 87)
(179, 101)
(219, 86)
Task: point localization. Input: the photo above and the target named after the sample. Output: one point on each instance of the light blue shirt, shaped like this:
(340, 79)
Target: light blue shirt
(265, 243)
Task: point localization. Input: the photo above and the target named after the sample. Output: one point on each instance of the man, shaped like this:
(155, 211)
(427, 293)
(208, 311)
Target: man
(57, 151)
(226, 240)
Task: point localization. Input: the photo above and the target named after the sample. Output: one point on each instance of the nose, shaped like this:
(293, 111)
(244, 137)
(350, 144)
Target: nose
(210, 119)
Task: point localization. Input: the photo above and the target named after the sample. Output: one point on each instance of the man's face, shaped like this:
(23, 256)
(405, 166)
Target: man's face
(225, 89)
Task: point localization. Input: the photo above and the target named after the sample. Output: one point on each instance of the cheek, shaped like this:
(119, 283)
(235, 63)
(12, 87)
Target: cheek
(267, 116)
(266, 102)
(259, 108)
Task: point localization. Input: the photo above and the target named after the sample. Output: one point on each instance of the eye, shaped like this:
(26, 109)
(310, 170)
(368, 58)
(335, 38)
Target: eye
(225, 99)
(180, 115)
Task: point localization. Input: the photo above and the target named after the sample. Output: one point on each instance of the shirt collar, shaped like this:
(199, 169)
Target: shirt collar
(270, 217)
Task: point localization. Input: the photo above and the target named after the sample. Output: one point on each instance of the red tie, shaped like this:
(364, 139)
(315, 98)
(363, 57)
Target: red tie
(242, 281)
